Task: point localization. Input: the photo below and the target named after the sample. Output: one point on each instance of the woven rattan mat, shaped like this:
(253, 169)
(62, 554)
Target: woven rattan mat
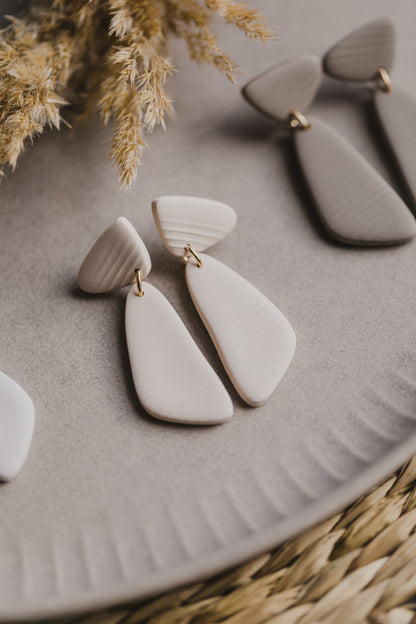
(358, 566)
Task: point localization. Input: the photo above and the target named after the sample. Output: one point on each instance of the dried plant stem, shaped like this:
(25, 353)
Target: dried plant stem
(109, 56)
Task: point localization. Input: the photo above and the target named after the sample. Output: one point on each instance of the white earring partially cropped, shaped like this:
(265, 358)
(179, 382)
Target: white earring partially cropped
(254, 340)
(17, 421)
(173, 380)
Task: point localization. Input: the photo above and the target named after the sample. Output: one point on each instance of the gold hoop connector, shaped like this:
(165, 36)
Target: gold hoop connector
(139, 282)
(383, 80)
(298, 121)
(190, 251)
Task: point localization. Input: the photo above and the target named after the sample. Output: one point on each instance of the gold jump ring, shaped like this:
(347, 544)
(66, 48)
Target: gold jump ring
(383, 79)
(297, 120)
(190, 250)
(139, 282)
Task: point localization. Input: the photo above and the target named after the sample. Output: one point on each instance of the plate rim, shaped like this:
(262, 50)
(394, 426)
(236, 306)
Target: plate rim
(240, 552)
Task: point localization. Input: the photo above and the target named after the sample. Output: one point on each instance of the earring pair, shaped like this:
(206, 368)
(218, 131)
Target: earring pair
(173, 380)
(366, 55)
(355, 204)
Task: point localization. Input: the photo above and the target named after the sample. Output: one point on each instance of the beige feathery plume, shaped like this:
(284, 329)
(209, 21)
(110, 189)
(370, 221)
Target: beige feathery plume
(105, 55)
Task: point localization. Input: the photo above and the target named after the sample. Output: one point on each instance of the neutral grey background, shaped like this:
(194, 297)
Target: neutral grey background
(112, 503)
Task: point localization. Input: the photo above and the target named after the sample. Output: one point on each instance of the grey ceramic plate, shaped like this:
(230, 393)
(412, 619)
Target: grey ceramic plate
(113, 505)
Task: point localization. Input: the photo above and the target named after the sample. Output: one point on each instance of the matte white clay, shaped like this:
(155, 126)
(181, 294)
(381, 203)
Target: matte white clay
(355, 203)
(17, 421)
(255, 341)
(112, 261)
(173, 380)
(290, 85)
(396, 112)
(358, 55)
(184, 219)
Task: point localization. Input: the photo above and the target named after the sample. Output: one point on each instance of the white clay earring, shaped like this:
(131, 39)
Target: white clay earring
(173, 380)
(366, 55)
(355, 204)
(17, 421)
(254, 340)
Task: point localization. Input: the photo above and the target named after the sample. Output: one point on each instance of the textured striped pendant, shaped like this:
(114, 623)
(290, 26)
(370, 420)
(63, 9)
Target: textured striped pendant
(355, 203)
(289, 86)
(395, 111)
(17, 421)
(111, 262)
(358, 55)
(254, 340)
(181, 219)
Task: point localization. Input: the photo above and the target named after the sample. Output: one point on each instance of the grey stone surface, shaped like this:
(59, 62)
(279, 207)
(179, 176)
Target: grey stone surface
(113, 504)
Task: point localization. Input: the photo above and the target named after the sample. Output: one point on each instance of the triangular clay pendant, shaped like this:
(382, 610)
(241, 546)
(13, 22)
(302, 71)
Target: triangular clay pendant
(395, 111)
(255, 341)
(183, 218)
(111, 262)
(17, 421)
(292, 85)
(358, 55)
(355, 203)
(173, 380)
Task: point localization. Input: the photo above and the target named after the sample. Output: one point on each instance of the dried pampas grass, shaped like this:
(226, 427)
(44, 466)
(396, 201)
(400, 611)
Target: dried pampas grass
(105, 55)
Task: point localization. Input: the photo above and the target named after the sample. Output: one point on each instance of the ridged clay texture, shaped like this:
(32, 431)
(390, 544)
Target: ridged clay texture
(17, 421)
(355, 203)
(173, 380)
(395, 111)
(255, 342)
(291, 85)
(358, 55)
(113, 259)
(196, 220)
